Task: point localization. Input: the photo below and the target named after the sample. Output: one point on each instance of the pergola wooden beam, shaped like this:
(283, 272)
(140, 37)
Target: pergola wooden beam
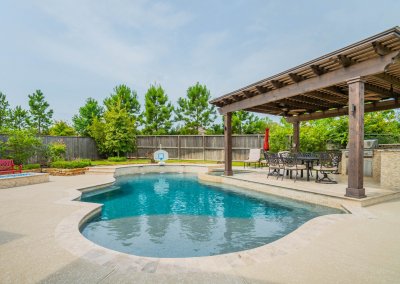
(295, 78)
(277, 84)
(365, 68)
(381, 91)
(323, 96)
(317, 70)
(345, 61)
(380, 49)
(376, 106)
(388, 78)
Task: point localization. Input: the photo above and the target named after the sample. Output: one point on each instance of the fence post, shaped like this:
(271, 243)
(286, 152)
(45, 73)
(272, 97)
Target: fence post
(204, 148)
(179, 147)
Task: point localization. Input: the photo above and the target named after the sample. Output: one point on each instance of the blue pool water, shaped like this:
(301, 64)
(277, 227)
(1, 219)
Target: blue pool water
(174, 215)
(15, 175)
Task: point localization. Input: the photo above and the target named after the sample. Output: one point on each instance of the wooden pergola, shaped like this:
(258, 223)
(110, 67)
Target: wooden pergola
(362, 77)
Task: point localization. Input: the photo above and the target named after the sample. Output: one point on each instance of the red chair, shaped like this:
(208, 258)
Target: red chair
(8, 167)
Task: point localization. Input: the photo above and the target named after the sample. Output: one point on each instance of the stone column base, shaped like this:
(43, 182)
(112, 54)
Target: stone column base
(355, 192)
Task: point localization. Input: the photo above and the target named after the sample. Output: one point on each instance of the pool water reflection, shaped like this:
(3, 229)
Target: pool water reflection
(173, 215)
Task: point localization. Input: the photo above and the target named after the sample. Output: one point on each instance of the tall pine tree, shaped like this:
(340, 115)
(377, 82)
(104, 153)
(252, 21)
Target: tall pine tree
(4, 112)
(158, 111)
(87, 114)
(41, 116)
(123, 97)
(19, 118)
(194, 111)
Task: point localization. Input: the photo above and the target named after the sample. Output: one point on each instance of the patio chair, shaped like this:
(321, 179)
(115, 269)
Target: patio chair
(274, 164)
(290, 164)
(284, 153)
(327, 165)
(254, 157)
(264, 163)
(336, 159)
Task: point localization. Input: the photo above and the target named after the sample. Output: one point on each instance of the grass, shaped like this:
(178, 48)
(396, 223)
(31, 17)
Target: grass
(147, 161)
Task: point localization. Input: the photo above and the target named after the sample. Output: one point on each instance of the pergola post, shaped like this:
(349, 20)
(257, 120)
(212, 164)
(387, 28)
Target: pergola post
(296, 136)
(228, 143)
(356, 139)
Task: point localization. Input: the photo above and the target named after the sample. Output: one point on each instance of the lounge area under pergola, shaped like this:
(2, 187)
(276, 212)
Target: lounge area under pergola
(362, 77)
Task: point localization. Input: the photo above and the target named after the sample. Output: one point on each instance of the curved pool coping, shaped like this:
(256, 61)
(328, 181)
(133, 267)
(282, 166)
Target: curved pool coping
(70, 238)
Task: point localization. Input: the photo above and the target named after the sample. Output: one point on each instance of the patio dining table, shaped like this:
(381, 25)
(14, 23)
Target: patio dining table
(309, 161)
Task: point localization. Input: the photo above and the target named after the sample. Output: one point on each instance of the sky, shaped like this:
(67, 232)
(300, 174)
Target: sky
(73, 50)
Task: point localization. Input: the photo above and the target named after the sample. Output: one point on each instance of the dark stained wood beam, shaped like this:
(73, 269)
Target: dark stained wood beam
(265, 111)
(381, 91)
(323, 99)
(262, 89)
(293, 103)
(248, 94)
(317, 70)
(380, 49)
(366, 68)
(327, 98)
(296, 78)
(355, 186)
(377, 106)
(344, 60)
(336, 91)
(277, 84)
(228, 144)
(388, 79)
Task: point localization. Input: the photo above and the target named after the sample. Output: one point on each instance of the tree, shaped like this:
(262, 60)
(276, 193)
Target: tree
(194, 111)
(61, 128)
(22, 145)
(19, 118)
(244, 122)
(87, 114)
(96, 131)
(115, 133)
(119, 130)
(4, 111)
(123, 97)
(40, 114)
(158, 111)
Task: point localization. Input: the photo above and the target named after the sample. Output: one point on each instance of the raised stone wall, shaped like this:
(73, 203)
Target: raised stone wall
(23, 180)
(390, 168)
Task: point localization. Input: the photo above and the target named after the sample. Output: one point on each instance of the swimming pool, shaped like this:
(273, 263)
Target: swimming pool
(174, 215)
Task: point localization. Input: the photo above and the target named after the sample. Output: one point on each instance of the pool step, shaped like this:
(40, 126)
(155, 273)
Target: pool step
(100, 171)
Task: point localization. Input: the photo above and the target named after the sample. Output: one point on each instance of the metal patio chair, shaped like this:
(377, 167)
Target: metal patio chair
(327, 165)
(274, 164)
(290, 164)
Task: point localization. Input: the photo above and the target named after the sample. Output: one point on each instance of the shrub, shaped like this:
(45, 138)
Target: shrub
(117, 159)
(57, 151)
(71, 164)
(22, 145)
(30, 166)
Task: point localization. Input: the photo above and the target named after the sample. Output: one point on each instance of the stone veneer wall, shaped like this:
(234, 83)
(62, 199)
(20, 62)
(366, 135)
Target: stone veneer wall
(390, 168)
(23, 180)
(376, 164)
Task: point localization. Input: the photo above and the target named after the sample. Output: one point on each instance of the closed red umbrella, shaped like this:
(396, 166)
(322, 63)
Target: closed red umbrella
(266, 139)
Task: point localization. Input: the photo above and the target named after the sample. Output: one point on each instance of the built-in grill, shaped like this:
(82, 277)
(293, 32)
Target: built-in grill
(369, 146)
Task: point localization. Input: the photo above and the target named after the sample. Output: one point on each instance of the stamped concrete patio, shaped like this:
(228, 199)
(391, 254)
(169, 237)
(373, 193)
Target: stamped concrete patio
(361, 247)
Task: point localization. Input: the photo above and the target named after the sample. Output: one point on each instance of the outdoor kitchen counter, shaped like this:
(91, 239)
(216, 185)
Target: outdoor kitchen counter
(390, 168)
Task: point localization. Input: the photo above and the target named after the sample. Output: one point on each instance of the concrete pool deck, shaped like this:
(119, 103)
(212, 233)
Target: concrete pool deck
(357, 248)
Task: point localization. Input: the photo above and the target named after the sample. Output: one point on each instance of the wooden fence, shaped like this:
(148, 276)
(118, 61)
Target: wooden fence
(77, 147)
(197, 147)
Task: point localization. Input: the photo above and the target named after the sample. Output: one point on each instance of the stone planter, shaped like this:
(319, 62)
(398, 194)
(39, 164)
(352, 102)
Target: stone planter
(32, 171)
(65, 172)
